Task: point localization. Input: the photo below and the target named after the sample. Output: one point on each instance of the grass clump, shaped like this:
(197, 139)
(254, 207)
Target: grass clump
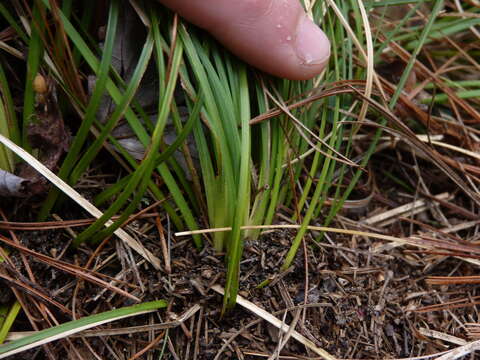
(246, 172)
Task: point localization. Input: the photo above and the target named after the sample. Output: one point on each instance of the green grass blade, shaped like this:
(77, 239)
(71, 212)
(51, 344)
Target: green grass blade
(403, 80)
(9, 319)
(11, 21)
(235, 249)
(76, 326)
(6, 156)
(92, 107)
(141, 177)
(11, 120)
(119, 110)
(35, 55)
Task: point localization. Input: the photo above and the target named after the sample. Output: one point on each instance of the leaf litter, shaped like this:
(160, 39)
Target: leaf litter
(47, 134)
(12, 185)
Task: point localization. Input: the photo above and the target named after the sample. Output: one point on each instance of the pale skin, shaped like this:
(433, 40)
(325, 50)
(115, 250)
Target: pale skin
(275, 36)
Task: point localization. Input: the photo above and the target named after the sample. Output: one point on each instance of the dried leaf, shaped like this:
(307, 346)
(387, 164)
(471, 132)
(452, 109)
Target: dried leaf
(47, 134)
(12, 185)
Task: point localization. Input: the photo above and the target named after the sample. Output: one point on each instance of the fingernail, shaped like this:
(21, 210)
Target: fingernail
(311, 44)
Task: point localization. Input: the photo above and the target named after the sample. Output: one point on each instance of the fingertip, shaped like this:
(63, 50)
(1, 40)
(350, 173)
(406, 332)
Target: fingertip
(284, 42)
(279, 39)
(311, 44)
(312, 49)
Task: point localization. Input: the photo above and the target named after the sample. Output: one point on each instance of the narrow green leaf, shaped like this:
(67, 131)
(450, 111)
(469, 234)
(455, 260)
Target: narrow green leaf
(76, 326)
(9, 319)
(235, 248)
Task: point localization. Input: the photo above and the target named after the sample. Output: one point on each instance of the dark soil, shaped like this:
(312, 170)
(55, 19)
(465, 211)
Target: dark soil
(362, 303)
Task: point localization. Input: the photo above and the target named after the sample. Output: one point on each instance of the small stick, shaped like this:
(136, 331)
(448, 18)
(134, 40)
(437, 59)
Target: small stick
(163, 244)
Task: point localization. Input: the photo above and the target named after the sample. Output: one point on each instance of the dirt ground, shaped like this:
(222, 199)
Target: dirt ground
(366, 299)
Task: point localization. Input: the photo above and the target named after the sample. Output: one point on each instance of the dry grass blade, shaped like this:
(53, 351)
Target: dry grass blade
(472, 154)
(411, 138)
(60, 224)
(313, 228)
(370, 60)
(283, 341)
(441, 336)
(387, 217)
(301, 128)
(278, 324)
(334, 89)
(461, 351)
(427, 73)
(422, 242)
(79, 199)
